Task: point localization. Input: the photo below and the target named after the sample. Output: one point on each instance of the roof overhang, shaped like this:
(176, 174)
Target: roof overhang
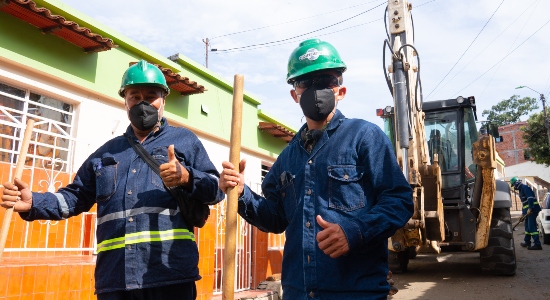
(277, 131)
(70, 31)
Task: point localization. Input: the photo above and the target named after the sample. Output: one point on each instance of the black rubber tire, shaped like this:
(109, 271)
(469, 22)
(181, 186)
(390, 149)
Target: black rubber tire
(499, 257)
(412, 252)
(398, 262)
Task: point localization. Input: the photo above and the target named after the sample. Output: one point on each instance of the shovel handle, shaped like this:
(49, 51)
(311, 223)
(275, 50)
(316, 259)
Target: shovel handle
(228, 280)
(18, 173)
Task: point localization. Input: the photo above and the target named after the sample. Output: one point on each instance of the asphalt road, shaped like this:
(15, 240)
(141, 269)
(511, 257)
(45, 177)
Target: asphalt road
(458, 276)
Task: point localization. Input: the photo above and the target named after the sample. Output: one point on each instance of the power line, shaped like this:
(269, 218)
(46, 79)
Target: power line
(504, 57)
(489, 44)
(284, 42)
(289, 42)
(512, 45)
(288, 22)
(465, 50)
(301, 35)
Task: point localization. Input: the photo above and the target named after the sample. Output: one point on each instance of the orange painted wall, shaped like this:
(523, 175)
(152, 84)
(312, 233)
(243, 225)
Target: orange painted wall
(50, 275)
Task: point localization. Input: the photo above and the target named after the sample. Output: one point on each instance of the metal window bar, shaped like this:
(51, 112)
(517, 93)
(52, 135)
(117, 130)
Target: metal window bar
(243, 255)
(13, 121)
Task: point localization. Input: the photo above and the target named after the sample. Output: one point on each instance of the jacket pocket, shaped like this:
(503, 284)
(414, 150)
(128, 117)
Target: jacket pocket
(105, 178)
(160, 154)
(345, 189)
(288, 194)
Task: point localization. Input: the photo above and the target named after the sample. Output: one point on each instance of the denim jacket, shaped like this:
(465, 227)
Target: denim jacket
(142, 238)
(350, 178)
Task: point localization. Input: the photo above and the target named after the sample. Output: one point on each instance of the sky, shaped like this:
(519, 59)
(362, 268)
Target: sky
(480, 48)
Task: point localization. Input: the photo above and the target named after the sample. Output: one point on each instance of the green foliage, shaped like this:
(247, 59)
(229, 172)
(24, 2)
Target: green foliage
(509, 111)
(535, 135)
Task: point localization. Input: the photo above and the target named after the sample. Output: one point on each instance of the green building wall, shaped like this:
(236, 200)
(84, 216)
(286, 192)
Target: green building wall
(101, 72)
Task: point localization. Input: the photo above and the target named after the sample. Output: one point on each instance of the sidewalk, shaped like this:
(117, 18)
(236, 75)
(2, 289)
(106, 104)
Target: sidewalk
(252, 294)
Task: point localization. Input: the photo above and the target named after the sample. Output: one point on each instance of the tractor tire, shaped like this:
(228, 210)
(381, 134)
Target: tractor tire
(398, 262)
(411, 252)
(499, 257)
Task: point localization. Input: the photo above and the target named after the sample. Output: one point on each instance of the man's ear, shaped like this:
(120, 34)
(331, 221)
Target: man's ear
(341, 93)
(294, 96)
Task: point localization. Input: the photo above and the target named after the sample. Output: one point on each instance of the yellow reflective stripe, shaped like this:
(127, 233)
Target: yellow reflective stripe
(526, 206)
(145, 236)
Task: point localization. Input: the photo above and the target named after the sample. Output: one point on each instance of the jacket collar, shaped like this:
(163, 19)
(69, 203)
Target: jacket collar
(336, 120)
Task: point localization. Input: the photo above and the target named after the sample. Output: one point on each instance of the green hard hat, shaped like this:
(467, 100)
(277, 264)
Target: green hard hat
(143, 74)
(313, 55)
(514, 180)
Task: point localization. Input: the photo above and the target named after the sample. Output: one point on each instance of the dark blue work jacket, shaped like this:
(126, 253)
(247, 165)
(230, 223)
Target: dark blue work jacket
(351, 178)
(142, 238)
(528, 199)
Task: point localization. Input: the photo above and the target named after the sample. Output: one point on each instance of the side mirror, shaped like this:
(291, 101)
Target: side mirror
(493, 130)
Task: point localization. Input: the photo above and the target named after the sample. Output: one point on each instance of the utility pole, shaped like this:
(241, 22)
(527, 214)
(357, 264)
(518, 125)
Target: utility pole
(206, 45)
(546, 125)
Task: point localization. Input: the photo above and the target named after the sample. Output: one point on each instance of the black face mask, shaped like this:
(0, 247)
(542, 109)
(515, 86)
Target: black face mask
(317, 102)
(144, 116)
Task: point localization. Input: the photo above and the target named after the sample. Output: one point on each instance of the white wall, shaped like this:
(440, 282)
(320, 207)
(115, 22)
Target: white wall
(528, 169)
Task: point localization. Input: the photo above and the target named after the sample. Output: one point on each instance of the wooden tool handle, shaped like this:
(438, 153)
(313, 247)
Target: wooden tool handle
(18, 173)
(228, 280)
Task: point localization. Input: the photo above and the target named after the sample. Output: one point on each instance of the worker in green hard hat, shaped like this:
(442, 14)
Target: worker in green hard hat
(336, 190)
(530, 208)
(145, 246)
(144, 90)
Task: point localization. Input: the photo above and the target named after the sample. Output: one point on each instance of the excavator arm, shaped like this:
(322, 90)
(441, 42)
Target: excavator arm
(410, 137)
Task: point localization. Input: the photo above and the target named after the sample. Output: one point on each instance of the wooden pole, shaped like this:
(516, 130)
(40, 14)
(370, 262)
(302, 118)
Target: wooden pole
(228, 281)
(18, 173)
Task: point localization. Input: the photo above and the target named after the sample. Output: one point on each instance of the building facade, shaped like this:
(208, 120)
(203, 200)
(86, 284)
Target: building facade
(63, 70)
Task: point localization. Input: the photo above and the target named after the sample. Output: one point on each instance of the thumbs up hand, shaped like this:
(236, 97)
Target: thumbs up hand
(173, 173)
(332, 239)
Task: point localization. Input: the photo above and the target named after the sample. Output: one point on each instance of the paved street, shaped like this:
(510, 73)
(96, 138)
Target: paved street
(458, 276)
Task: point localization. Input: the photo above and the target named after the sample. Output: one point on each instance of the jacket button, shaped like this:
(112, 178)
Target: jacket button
(134, 170)
(309, 192)
(311, 294)
(308, 224)
(130, 192)
(129, 247)
(284, 194)
(346, 177)
(310, 162)
(130, 219)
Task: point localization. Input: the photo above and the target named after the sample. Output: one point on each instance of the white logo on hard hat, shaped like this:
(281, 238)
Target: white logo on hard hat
(313, 54)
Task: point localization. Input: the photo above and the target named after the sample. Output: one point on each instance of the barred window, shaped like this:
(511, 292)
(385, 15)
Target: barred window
(50, 143)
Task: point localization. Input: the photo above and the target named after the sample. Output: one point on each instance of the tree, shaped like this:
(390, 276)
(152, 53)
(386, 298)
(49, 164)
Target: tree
(509, 111)
(534, 134)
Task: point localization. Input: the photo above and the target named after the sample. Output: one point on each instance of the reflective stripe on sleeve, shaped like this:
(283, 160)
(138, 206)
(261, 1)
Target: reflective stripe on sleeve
(137, 211)
(63, 205)
(145, 237)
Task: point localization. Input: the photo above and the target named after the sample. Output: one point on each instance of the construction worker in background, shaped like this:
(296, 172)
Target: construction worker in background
(336, 190)
(530, 208)
(145, 248)
(439, 147)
